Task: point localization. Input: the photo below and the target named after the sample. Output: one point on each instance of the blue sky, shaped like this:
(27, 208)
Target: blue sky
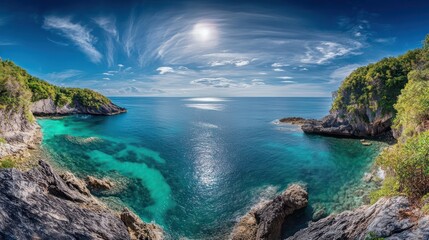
(206, 48)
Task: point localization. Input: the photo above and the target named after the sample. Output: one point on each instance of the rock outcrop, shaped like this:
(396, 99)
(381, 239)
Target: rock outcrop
(138, 229)
(389, 218)
(39, 204)
(265, 220)
(99, 184)
(47, 107)
(349, 125)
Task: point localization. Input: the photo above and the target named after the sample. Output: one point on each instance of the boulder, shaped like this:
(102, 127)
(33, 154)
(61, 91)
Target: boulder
(265, 220)
(99, 184)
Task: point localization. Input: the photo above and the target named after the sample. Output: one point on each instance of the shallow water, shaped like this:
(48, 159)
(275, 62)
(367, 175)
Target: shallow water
(195, 165)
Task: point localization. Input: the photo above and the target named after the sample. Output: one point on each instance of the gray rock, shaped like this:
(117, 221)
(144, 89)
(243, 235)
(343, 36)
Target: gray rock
(99, 184)
(39, 204)
(265, 220)
(350, 124)
(389, 218)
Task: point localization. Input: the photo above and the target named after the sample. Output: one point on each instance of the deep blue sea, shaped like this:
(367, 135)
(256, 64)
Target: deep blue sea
(195, 165)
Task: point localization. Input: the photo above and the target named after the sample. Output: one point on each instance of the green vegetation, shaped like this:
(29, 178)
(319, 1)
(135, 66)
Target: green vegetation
(7, 163)
(408, 163)
(2, 140)
(19, 89)
(389, 188)
(377, 85)
(413, 105)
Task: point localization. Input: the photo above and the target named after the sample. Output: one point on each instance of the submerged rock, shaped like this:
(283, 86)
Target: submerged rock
(389, 218)
(99, 184)
(265, 220)
(39, 204)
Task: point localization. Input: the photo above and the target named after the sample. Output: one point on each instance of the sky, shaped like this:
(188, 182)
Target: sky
(206, 48)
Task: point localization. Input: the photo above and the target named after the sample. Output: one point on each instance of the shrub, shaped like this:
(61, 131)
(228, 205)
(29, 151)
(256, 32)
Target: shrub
(408, 163)
(389, 188)
(7, 163)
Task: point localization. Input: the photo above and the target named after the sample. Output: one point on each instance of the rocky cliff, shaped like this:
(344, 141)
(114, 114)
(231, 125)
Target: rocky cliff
(265, 220)
(47, 107)
(39, 204)
(389, 218)
(363, 106)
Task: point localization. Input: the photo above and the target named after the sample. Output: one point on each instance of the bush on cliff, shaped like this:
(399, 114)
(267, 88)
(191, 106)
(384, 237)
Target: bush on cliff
(408, 163)
(413, 105)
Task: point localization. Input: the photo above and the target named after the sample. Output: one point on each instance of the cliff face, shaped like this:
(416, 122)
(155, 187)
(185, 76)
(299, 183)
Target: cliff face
(47, 107)
(39, 204)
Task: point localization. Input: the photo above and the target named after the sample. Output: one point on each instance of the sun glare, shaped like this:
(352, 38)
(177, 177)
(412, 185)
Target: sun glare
(204, 32)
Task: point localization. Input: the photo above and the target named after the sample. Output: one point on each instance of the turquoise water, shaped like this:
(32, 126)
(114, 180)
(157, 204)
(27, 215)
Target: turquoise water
(195, 165)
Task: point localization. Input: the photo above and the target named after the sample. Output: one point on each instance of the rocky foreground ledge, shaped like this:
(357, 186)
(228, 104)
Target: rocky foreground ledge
(39, 204)
(265, 220)
(389, 218)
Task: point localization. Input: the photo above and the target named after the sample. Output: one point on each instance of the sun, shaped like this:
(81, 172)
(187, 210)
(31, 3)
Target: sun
(204, 32)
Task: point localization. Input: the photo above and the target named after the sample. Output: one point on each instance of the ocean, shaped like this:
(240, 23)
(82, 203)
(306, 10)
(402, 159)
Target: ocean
(195, 165)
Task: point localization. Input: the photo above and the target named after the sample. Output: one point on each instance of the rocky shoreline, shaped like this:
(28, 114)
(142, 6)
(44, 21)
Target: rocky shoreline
(37, 203)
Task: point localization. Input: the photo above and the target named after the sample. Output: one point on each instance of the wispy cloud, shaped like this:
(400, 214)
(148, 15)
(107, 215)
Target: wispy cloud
(63, 75)
(341, 73)
(278, 70)
(80, 35)
(323, 52)
(108, 24)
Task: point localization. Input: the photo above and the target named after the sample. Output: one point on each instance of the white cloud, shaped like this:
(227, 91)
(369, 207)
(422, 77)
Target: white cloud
(288, 81)
(278, 70)
(77, 33)
(285, 77)
(106, 78)
(303, 69)
(325, 51)
(237, 63)
(277, 65)
(340, 73)
(214, 82)
(164, 70)
(108, 74)
(241, 63)
(120, 65)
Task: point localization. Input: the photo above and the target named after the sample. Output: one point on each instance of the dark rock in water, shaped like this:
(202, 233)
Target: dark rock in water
(389, 218)
(100, 184)
(265, 220)
(39, 204)
(294, 120)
